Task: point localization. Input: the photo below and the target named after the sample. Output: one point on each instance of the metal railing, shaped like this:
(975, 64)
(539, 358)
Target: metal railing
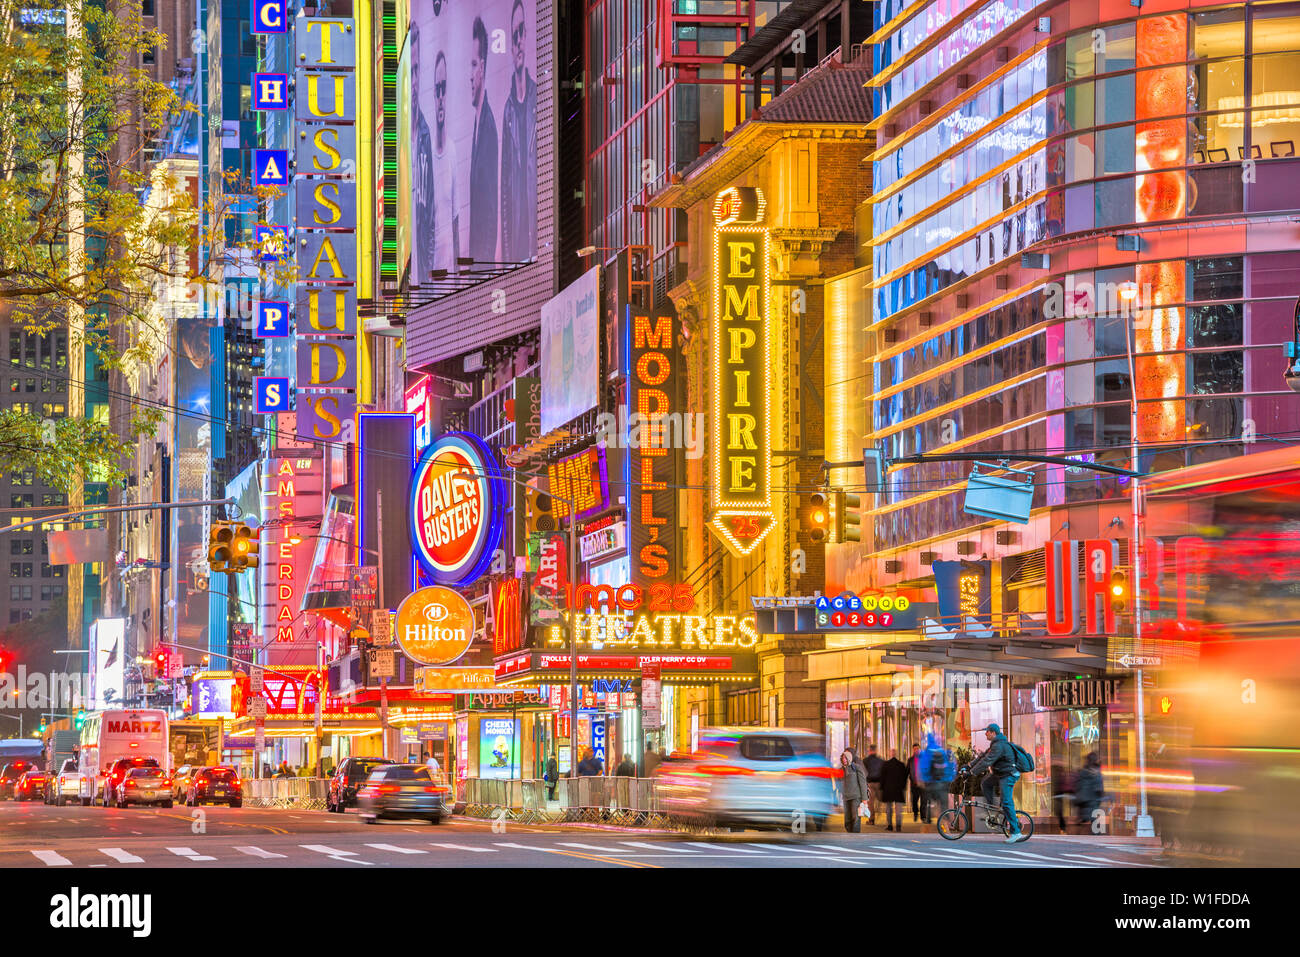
(597, 799)
(300, 793)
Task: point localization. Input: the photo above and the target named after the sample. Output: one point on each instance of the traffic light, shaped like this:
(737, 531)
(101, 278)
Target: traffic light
(538, 514)
(79, 720)
(42, 729)
(846, 517)
(819, 516)
(220, 552)
(160, 662)
(1119, 591)
(243, 547)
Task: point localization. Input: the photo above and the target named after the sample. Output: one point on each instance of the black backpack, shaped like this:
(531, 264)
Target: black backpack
(1024, 762)
(938, 767)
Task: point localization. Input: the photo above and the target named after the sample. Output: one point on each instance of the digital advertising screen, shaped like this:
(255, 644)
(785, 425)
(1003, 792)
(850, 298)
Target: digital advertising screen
(498, 748)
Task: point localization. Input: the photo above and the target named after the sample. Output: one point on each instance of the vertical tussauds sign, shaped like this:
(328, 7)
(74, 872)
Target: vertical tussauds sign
(325, 213)
(741, 473)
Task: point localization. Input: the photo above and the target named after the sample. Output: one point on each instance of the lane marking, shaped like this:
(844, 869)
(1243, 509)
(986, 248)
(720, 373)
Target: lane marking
(121, 856)
(463, 847)
(257, 852)
(51, 858)
(397, 850)
(190, 853)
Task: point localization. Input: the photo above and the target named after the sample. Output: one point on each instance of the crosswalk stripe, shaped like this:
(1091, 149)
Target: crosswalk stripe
(1041, 857)
(189, 852)
(51, 858)
(121, 856)
(397, 850)
(326, 849)
(662, 846)
(590, 847)
(785, 847)
(722, 847)
(945, 855)
(1106, 860)
(257, 852)
(462, 847)
(857, 850)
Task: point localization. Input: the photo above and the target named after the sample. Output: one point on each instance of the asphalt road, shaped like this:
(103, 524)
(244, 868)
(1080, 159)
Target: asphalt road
(35, 835)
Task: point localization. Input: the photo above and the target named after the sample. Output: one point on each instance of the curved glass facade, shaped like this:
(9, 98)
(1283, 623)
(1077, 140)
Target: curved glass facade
(1178, 128)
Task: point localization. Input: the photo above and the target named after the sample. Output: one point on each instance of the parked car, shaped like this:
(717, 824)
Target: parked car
(350, 776)
(751, 777)
(219, 785)
(30, 786)
(10, 776)
(65, 785)
(144, 785)
(181, 780)
(117, 773)
(404, 791)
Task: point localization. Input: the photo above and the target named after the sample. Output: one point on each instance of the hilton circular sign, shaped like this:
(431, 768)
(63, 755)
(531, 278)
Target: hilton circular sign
(435, 625)
(457, 508)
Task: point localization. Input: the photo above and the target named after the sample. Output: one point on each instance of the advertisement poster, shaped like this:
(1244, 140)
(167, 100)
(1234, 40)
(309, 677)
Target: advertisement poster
(570, 351)
(211, 697)
(498, 748)
(472, 133)
(548, 561)
(107, 641)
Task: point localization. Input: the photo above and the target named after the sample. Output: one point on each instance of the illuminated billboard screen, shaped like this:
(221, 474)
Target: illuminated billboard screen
(472, 133)
(108, 650)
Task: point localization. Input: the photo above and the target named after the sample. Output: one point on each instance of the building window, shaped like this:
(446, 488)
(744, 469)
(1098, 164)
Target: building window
(15, 592)
(15, 546)
(15, 569)
(14, 615)
(146, 8)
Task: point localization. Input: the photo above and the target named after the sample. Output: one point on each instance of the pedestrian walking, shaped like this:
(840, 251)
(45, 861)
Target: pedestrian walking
(872, 764)
(937, 770)
(1000, 783)
(590, 766)
(626, 768)
(552, 776)
(1062, 787)
(431, 763)
(650, 759)
(893, 790)
(854, 790)
(916, 786)
(1089, 789)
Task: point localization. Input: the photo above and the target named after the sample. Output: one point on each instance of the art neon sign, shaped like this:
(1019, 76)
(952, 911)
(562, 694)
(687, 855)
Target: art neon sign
(457, 508)
(741, 477)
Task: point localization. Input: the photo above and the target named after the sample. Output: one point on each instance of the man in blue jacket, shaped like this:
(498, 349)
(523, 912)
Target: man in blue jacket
(1002, 777)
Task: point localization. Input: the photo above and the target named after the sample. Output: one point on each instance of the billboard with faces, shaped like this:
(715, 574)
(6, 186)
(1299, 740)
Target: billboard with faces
(473, 133)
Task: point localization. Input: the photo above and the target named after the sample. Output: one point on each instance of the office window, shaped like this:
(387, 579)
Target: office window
(31, 385)
(15, 546)
(15, 348)
(15, 569)
(27, 593)
(15, 385)
(46, 570)
(27, 569)
(14, 615)
(15, 592)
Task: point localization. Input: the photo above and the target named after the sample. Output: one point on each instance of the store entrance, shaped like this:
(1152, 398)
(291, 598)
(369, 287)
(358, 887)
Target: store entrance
(1074, 735)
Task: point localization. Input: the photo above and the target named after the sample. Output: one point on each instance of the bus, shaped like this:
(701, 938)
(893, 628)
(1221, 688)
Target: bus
(1223, 729)
(109, 735)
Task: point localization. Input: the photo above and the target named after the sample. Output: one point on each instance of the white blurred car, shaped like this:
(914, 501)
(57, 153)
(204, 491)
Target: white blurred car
(751, 777)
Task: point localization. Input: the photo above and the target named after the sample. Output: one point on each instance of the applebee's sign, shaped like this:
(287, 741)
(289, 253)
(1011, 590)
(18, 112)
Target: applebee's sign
(457, 508)
(435, 625)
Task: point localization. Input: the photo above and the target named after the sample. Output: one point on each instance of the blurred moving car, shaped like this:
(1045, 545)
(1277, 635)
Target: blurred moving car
(219, 785)
(404, 791)
(64, 786)
(31, 786)
(144, 785)
(182, 778)
(348, 779)
(10, 776)
(117, 773)
(750, 777)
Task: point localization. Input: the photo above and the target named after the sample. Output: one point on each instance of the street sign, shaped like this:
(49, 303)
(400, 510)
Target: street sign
(255, 680)
(1139, 661)
(383, 663)
(257, 707)
(381, 627)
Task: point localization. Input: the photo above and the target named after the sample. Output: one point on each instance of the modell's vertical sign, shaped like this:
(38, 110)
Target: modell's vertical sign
(653, 379)
(741, 453)
(325, 204)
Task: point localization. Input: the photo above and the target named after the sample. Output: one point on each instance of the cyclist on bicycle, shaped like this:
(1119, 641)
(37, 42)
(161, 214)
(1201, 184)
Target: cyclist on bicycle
(1002, 777)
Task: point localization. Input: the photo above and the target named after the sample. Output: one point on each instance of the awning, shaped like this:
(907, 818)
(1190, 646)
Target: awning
(1017, 655)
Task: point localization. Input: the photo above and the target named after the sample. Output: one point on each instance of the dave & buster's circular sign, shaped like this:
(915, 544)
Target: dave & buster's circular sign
(456, 508)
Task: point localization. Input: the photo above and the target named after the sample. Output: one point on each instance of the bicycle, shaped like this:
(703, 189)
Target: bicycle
(953, 824)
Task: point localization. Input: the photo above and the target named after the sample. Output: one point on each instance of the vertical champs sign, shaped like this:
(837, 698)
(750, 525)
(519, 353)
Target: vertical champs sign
(740, 477)
(325, 212)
